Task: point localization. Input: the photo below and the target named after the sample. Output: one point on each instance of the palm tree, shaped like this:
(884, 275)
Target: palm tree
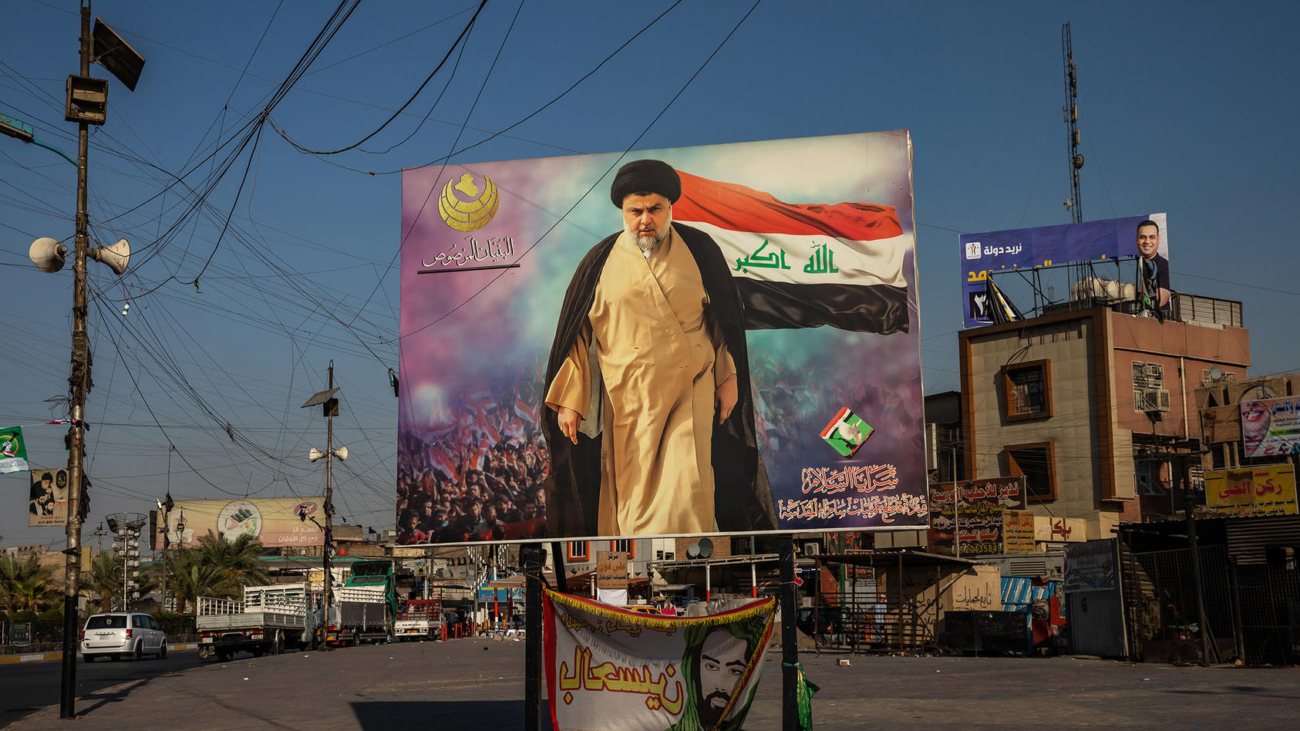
(239, 560)
(191, 577)
(25, 585)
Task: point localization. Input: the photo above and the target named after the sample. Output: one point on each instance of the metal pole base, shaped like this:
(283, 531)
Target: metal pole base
(534, 557)
(789, 638)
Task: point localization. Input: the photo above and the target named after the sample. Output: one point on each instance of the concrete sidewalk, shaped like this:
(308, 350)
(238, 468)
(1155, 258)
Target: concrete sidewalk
(478, 684)
(43, 656)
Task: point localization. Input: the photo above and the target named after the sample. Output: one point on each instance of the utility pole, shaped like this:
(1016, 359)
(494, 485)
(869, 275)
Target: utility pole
(331, 405)
(329, 499)
(78, 384)
(1198, 582)
(956, 508)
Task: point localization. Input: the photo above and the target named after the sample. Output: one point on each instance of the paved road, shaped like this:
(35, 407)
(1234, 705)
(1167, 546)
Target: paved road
(469, 685)
(30, 686)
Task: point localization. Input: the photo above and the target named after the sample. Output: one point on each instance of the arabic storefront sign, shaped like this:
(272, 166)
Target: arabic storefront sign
(1271, 428)
(611, 569)
(47, 503)
(1090, 566)
(1060, 530)
(622, 671)
(1018, 531)
(818, 241)
(1253, 491)
(977, 523)
(986, 253)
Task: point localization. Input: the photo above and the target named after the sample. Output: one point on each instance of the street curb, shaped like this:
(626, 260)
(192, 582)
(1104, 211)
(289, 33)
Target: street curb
(43, 656)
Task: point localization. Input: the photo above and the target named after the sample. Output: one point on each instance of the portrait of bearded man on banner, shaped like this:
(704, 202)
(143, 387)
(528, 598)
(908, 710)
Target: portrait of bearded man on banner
(715, 668)
(650, 418)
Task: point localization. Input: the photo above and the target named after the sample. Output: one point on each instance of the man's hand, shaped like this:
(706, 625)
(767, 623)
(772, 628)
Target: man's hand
(570, 420)
(725, 398)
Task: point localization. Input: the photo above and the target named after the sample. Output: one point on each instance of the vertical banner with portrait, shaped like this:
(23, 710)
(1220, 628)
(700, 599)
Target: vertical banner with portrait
(992, 252)
(48, 498)
(797, 254)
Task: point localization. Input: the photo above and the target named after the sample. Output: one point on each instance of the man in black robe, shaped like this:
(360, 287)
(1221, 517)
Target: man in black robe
(742, 495)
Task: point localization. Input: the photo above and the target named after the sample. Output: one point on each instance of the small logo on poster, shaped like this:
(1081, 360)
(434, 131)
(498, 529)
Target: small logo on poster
(846, 432)
(468, 215)
(972, 249)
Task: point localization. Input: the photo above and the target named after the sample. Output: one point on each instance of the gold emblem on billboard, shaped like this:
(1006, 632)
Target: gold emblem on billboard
(473, 214)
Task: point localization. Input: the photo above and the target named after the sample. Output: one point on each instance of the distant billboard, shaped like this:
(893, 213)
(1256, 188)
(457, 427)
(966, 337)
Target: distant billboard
(1271, 427)
(276, 522)
(803, 251)
(991, 252)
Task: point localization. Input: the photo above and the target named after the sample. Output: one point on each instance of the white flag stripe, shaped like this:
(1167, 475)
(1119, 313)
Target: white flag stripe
(862, 263)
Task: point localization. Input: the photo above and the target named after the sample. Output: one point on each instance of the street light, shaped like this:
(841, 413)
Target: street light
(330, 404)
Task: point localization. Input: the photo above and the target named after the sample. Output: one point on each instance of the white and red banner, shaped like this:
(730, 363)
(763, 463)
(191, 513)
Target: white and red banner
(614, 670)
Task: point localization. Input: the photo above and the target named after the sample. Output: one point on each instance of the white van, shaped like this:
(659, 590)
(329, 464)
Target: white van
(118, 634)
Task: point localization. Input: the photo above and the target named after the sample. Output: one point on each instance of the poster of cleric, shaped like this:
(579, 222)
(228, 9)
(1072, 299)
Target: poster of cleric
(675, 342)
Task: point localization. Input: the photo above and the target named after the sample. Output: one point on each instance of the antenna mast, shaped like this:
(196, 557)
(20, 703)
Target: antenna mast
(1073, 204)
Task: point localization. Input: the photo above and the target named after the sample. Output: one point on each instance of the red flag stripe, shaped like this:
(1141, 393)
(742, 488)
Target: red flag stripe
(738, 208)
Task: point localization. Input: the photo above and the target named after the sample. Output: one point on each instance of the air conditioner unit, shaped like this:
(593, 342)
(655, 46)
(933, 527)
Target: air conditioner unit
(1162, 399)
(1151, 400)
(811, 548)
(1152, 369)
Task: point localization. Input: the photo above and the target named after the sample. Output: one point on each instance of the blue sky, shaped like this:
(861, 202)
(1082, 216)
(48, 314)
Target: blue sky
(1185, 108)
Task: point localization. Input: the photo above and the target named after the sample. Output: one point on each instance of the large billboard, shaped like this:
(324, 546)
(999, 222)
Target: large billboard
(992, 252)
(787, 274)
(1271, 427)
(276, 522)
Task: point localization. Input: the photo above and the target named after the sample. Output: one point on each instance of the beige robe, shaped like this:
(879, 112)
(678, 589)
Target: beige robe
(661, 368)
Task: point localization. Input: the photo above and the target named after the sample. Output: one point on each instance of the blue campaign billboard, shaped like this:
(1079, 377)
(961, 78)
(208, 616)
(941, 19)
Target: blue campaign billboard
(995, 251)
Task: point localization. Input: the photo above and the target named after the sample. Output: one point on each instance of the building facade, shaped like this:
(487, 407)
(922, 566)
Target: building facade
(1095, 407)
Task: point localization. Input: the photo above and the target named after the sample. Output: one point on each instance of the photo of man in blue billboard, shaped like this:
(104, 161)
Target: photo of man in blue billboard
(1155, 268)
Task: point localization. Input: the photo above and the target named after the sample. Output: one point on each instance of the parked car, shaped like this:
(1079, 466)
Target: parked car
(119, 634)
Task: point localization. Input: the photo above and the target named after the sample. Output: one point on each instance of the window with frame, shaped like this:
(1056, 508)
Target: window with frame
(1037, 462)
(624, 545)
(1027, 390)
(578, 551)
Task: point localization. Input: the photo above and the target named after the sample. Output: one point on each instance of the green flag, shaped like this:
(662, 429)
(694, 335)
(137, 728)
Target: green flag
(13, 450)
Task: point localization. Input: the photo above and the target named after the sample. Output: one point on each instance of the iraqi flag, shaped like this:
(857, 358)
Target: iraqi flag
(804, 265)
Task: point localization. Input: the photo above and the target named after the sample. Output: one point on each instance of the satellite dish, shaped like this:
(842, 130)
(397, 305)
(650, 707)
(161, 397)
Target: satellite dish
(341, 453)
(1215, 373)
(47, 254)
(315, 454)
(115, 256)
(706, 548)
(693, 550)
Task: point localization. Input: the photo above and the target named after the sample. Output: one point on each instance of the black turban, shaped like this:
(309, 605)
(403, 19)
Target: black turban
(645, 176)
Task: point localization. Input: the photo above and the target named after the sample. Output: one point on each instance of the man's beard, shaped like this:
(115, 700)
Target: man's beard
(647, 243)
(710, 714)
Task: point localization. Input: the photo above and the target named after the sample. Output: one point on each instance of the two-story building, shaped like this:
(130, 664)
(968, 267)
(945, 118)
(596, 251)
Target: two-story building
(1094, 406)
